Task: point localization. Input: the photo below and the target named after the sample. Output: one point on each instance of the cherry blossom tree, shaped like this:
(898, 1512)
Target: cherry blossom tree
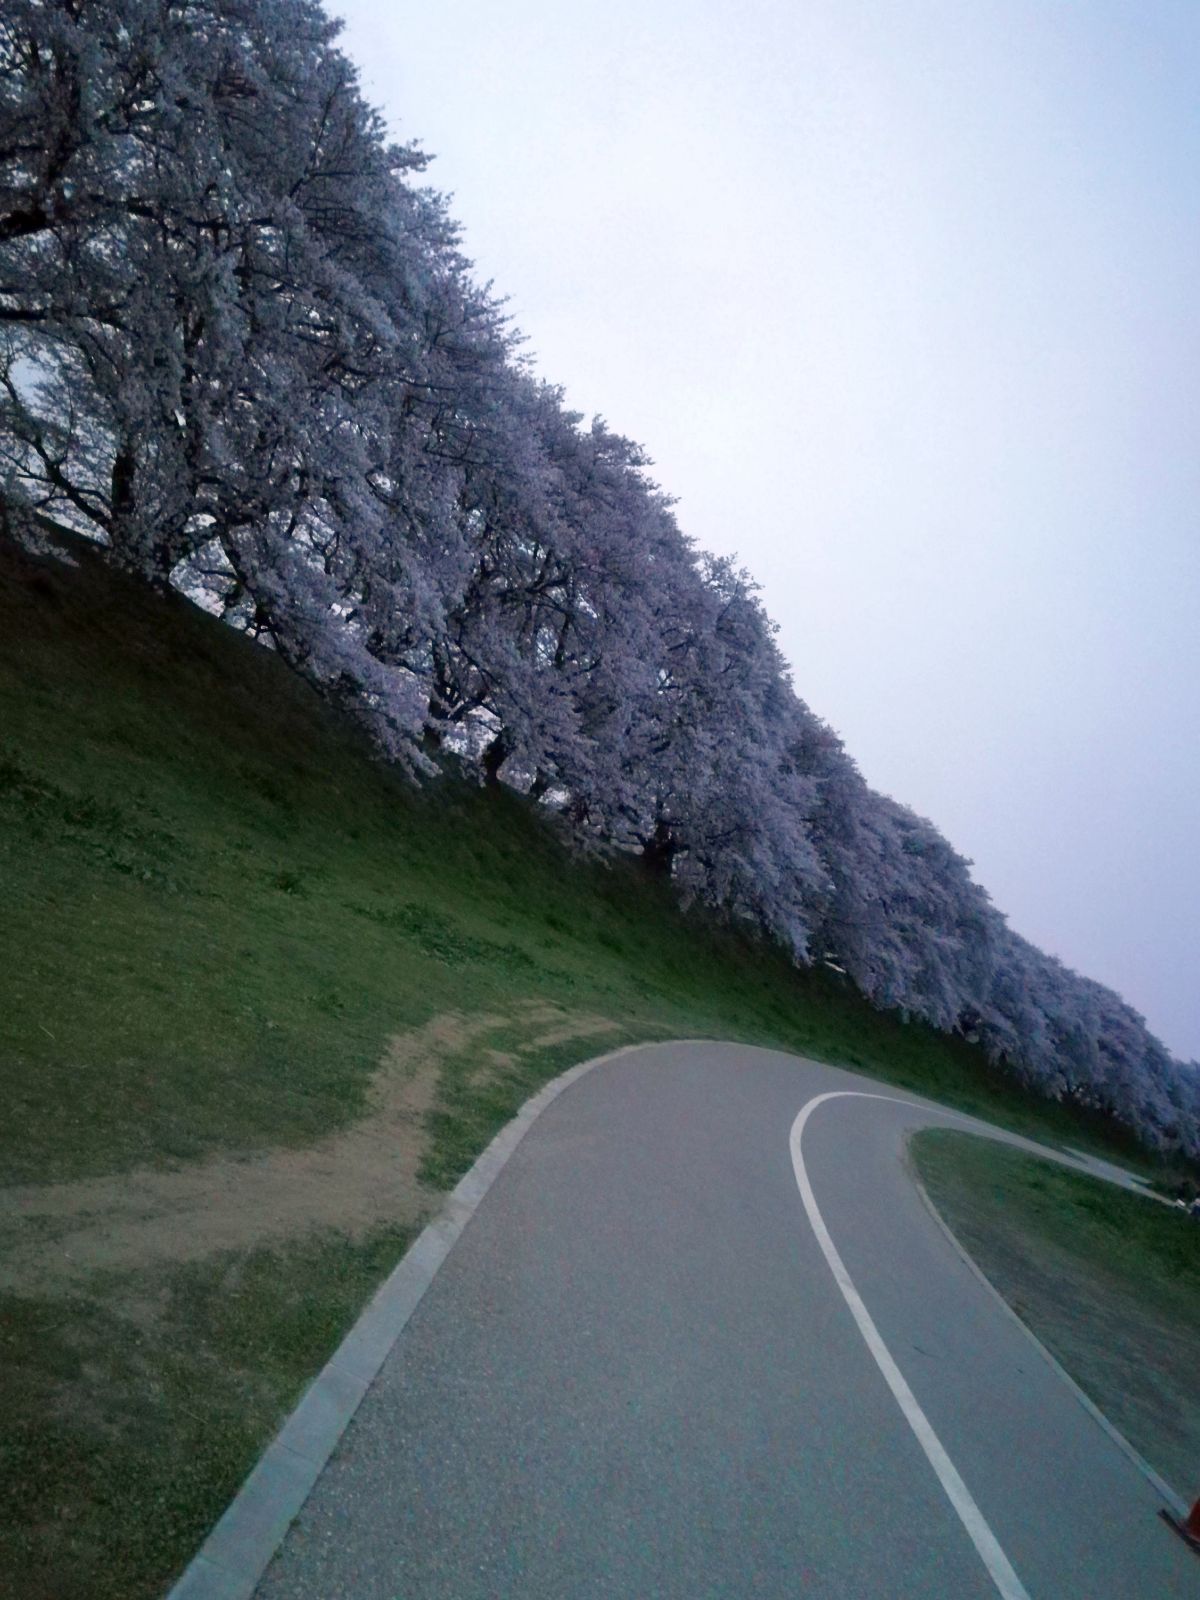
(241, 347)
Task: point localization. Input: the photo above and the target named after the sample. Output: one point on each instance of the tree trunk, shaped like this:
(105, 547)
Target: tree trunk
(129, 549)
(494, 757)
(659, 851)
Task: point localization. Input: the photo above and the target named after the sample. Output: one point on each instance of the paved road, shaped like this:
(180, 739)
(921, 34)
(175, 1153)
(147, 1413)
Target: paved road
(636, 1378)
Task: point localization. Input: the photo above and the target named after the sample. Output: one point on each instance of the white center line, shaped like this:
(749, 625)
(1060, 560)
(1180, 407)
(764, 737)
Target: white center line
(997, 1563)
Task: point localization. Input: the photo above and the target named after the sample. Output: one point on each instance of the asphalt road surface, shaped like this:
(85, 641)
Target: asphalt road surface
(640, 1374)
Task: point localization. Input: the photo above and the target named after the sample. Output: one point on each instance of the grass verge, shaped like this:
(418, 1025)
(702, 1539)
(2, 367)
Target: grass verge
(1109, 1282)
(125, 1404)
(261, 1003)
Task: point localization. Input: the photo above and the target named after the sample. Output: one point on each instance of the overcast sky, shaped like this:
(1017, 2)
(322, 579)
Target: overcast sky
(901, 296)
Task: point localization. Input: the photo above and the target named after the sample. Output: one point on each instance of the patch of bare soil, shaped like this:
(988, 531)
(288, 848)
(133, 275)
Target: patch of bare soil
(53, 1237)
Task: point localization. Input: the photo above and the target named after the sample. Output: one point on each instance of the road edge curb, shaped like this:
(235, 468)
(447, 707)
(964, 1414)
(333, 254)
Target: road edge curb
(233, 1558)
(1155, 1479)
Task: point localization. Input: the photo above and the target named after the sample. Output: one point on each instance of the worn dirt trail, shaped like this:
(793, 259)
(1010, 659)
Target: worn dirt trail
(54, 1237)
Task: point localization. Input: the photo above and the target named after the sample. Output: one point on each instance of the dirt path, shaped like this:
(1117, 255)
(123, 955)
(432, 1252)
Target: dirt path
(53, 1237)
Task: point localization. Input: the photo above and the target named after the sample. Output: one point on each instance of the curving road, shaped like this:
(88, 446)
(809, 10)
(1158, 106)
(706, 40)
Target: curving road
(637, 1376)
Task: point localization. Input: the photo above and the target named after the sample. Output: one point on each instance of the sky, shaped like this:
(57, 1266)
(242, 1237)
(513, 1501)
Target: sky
(901, 299)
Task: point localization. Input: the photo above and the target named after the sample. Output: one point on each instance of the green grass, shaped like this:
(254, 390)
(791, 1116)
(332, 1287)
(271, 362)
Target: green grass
(171, 1395)
(1108, 1280)
(218, 908)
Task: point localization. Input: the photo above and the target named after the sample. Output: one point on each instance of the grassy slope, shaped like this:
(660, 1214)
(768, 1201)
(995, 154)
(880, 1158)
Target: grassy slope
(1109, 1282)
(217, 910)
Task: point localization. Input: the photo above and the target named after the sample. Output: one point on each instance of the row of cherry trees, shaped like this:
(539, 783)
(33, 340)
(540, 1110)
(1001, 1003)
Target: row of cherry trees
(241, 347)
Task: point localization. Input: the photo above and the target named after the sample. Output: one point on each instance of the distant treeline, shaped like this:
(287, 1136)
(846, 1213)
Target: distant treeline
(240, 346)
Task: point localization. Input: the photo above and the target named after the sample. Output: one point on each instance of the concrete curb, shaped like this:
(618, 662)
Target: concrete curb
(1157, 1482)
(231, 1561)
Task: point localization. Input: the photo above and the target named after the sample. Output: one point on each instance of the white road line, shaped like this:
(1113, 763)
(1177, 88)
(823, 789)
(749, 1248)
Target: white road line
(984, 1540)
